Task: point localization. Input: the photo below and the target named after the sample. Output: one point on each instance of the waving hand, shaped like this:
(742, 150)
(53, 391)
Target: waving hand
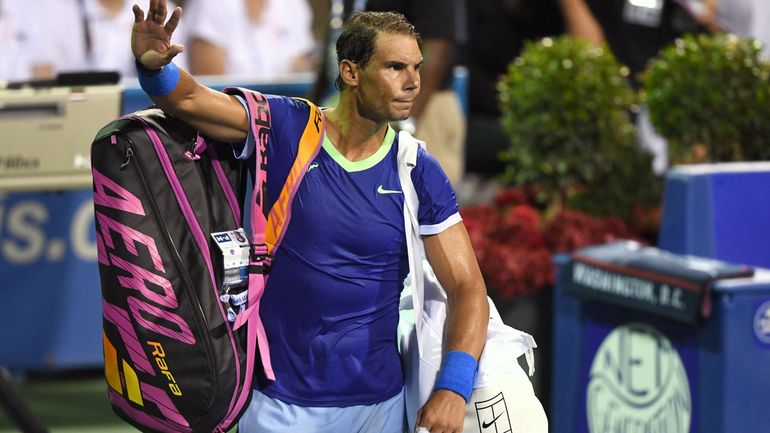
(151, 38)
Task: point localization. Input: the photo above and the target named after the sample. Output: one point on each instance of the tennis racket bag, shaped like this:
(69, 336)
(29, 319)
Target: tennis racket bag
(174, 362)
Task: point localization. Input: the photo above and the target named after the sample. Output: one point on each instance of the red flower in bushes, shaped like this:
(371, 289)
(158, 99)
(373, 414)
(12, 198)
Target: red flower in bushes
(520, 227)
(510, 197)
(514, 196)
(569, 230)
(512, 271)
(514, 246)
(482, 219)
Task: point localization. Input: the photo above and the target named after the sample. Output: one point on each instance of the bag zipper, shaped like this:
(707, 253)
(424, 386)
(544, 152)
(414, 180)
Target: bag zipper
(198, 315)
(162, 154)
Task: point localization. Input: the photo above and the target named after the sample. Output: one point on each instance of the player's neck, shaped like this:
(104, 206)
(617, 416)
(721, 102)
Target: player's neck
(354, 135)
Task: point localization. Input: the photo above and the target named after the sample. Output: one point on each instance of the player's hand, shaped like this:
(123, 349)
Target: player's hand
(151, 37)
(444, 412)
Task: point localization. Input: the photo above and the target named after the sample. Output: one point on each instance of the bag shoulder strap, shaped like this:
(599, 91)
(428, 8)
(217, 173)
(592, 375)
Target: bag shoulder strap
(258, 111)
(259, 127)
(407, 160)
(309, 146)
(268, 227)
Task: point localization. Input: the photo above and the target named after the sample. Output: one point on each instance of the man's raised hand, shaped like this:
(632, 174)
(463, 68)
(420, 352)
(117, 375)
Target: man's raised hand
(151, 38)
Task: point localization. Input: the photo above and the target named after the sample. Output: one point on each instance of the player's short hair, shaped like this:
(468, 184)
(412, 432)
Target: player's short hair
(356, 42)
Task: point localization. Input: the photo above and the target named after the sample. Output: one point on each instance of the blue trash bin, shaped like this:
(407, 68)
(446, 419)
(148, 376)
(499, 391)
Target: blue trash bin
(618, 370)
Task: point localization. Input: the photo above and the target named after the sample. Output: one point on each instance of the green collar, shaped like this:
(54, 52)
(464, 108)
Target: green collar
(369, 162)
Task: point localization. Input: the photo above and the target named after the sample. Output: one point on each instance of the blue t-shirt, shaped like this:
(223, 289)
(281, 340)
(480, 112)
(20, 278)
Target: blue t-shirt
(330, 308)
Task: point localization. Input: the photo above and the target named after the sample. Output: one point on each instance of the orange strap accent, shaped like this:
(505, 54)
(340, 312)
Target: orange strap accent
(309, 144)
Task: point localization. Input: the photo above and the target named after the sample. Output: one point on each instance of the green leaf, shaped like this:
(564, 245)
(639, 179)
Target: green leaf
(566, 105)
(713, 91)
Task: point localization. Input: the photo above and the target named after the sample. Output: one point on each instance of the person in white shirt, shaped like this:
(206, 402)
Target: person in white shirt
(264, 39)
(745, 18)
(13, 38)
(19, 46)
(109, 23)
(94, 42)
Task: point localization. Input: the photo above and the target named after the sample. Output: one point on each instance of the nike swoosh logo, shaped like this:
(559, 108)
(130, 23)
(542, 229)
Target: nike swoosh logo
(382, 190)
(312, 166)
(486, 425)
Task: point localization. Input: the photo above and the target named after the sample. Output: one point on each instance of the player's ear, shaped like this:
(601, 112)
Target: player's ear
(349, 72)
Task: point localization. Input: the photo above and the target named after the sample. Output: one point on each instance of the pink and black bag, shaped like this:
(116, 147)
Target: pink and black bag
(178, 358)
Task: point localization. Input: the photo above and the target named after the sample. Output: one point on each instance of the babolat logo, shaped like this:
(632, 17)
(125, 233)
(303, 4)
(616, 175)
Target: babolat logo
(222, 238)
(637, 384)
(18, 162)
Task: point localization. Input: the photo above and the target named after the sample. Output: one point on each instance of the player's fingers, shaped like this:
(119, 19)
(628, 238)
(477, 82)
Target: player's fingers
(173, 51)
(173, 21)
(161, 12)
(138, 14)
(152, 10)
(418, 422)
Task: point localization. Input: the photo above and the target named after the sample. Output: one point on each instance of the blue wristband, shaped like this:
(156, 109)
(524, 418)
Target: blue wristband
(458, 373)
(160, 83)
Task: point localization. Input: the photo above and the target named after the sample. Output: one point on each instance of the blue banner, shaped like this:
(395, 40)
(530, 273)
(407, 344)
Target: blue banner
(50, 303)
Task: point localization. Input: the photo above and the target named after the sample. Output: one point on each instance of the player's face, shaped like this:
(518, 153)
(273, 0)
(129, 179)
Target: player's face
(390, 81)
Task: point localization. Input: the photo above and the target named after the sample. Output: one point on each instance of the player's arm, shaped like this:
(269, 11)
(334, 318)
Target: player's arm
(451, 255)
(174, 90)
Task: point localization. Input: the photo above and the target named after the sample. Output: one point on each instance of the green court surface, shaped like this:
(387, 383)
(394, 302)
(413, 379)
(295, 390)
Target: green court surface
(67, 403)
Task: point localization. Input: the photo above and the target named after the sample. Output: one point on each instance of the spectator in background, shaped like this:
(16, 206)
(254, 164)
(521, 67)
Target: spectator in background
(635, 31)
(330, 15)
(15, 40)
(497, 30)
(39, 46)
(95, 41)
(437, 116)
(745, 18)
(760, 22)
(263, 39)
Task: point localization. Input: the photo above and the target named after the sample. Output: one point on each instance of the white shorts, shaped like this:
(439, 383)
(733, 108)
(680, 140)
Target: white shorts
(268, 415)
